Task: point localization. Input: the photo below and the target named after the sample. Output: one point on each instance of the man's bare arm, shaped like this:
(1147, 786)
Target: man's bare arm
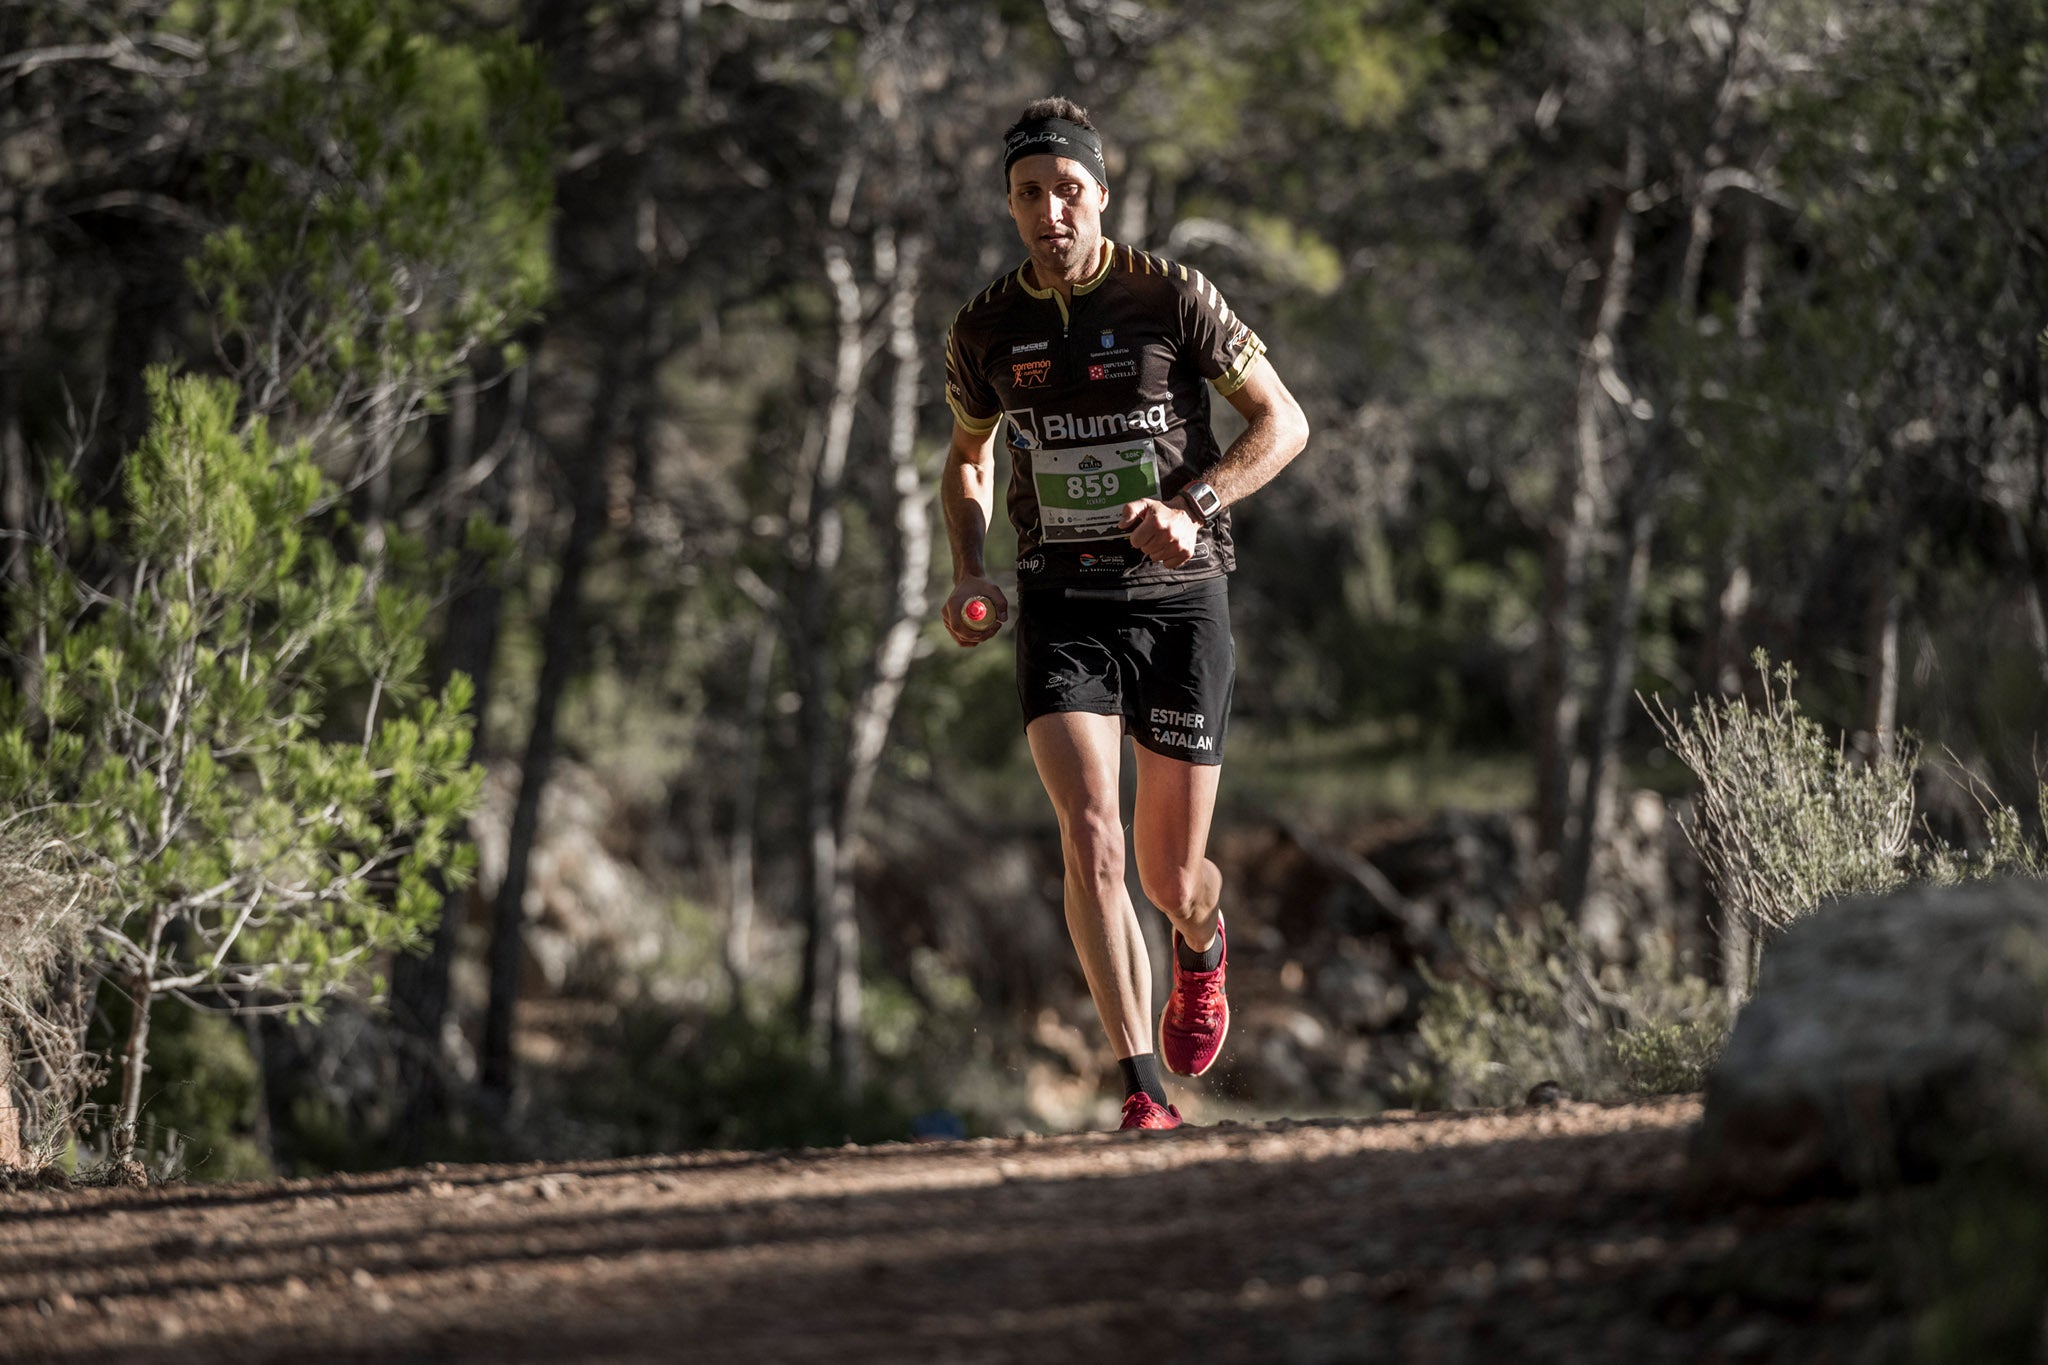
(967, 494)
(1275, 432)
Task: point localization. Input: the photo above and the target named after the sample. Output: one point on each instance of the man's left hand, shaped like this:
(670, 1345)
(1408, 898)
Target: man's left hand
(1161, 531)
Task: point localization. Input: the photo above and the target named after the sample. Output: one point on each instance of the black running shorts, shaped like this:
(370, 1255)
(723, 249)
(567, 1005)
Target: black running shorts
(1166, 665)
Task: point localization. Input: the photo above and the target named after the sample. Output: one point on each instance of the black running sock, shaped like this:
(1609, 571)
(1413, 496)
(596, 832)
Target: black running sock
(1142, 1073)
(1192, 961)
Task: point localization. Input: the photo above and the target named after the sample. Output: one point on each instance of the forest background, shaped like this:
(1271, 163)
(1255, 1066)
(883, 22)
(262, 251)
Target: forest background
(574, 368)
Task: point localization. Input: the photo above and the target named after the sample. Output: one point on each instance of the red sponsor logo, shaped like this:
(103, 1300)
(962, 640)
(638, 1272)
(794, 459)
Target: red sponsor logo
(1030, 374)
(1097, 372)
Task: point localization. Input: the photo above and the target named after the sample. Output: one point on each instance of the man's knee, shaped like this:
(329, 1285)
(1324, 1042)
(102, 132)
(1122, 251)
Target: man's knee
(1095, 847)
(1178, 889)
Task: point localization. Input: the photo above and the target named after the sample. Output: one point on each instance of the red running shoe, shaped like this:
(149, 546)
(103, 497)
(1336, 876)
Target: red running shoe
(1142, 1111)
(1197, 1014)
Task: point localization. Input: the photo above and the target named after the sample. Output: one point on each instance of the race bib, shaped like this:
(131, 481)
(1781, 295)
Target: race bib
(1082, 492)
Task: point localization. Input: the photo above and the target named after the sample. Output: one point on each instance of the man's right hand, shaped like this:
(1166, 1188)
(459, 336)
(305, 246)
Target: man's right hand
(959, 627)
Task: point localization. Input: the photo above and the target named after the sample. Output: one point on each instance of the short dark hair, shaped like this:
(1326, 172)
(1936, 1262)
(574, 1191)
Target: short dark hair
(1053, 106)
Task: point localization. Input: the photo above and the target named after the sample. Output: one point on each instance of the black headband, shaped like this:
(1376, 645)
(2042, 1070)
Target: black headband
(1054, 137)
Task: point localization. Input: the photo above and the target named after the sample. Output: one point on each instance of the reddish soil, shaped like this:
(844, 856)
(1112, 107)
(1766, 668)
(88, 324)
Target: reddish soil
(1562, 1234)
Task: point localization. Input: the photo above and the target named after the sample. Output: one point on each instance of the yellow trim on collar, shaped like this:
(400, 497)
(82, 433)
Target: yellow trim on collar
(1101, 274)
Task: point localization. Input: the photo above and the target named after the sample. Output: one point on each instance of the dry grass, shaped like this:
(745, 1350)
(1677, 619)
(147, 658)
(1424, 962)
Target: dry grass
(45, 995)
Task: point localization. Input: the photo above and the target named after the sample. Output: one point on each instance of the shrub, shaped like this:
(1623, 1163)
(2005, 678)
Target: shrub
(46, 1069)
(177, 731)
(1533, 1004)
(1783, 820)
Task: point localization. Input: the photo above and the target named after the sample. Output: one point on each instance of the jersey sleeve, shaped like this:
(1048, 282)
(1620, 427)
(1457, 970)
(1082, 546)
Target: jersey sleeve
(968, 392)
(1223, 345)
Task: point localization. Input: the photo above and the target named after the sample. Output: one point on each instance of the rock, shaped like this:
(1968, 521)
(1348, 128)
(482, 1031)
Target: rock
(595, 921)
(1890, 1038)
(1279, 1047)
(1360, 987)
(1545, 1094)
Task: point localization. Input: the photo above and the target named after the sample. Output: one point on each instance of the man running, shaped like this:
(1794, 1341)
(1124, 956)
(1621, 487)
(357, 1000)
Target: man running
(1097, 357)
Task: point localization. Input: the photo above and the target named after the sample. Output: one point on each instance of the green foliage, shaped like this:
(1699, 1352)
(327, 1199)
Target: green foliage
(390, 191)
(176, 730)
(2009, 849)
(729, 1079)
(1784, 820)
(1533, 1004)
(1337, 67)
(201, 1099)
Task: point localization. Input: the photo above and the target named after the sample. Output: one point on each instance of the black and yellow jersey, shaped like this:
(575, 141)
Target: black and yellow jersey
(1105, 401)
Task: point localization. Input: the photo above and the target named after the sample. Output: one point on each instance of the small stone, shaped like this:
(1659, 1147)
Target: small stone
(1545, 1094)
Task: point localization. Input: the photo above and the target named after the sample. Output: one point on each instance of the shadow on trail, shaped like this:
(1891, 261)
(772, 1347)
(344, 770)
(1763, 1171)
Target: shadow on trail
(1239, 1249)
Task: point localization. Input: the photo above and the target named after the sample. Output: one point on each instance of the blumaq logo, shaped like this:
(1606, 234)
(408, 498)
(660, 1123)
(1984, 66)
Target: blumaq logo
(1030, 374)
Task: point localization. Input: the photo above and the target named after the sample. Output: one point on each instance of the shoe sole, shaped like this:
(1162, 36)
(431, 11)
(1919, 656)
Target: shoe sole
(1214, 1056)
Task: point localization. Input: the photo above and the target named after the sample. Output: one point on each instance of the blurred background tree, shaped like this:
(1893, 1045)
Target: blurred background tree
(1634, 337)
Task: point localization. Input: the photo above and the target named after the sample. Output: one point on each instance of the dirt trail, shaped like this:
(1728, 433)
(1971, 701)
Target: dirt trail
(1555, 1234)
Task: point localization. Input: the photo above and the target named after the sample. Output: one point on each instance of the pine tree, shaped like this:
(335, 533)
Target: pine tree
(232, 734)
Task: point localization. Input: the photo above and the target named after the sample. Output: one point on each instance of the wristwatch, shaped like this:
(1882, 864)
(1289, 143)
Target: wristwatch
(1203, 504)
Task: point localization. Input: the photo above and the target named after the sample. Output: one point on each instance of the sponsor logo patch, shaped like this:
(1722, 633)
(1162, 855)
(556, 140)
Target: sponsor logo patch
(1031, 564)
(1030, 374)
(1108, 340)
(1067, 426)
(1114, 369)
(1022, 347)
(1095, 561)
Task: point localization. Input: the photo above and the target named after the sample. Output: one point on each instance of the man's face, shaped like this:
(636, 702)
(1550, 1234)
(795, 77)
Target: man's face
(1057, 205)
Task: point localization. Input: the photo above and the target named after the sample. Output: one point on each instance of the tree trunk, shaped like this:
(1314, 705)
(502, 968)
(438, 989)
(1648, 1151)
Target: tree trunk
(1575, 508)
(10, 1117)
(420, 985)
(562, 639)
(1594, 824)
(740, 859)
(2030, 590)
(874, 710)
(1881, 695)
(1642, 507)
(828, 920)
(152, 293)
(21, 304)
(1726, 603)
(134, 1062)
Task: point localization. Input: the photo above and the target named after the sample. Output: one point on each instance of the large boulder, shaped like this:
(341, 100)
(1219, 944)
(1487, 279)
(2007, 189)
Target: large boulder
(1890, 1038)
